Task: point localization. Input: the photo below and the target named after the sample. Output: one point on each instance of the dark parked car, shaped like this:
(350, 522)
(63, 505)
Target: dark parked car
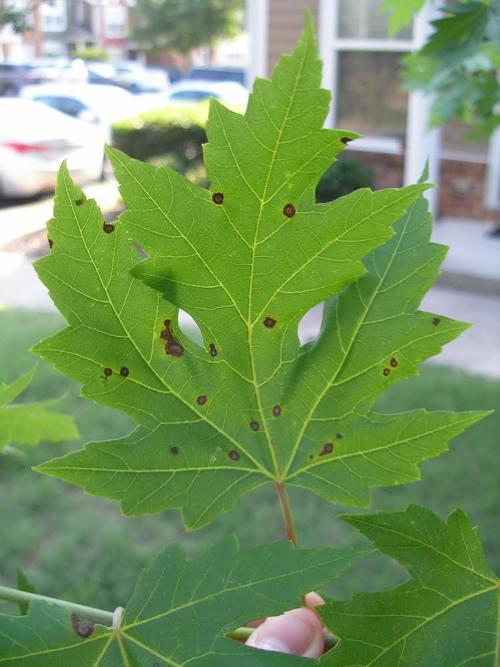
(14, 76)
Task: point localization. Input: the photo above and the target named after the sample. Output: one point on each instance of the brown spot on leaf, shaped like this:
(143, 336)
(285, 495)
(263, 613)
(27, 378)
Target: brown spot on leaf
(436, 321)
(277, 410)
(394, 362)
(108, 228)
(79, 202)
(201, 400)
(213, 350)
(311, 456)
(269, 322)
(289, 210)
(386, 371)
(339, 436)
(254, 425)
(172, 346)
(174, 450)
(327, 448)
(51, 243)
(345, 140)
(234, 455)
(218, 198)
(82, 627)
(124, 371)
(108, 372)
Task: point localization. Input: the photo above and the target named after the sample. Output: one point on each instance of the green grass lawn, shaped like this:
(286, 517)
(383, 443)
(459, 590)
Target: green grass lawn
(80, 548)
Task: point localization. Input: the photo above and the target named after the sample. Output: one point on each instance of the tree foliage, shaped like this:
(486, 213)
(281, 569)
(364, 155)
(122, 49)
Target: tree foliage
(30, 423)
(184, 25)
(459, 64)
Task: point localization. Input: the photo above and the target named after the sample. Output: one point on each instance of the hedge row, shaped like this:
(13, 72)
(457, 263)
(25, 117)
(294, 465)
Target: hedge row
(175, 135)
(177, 129)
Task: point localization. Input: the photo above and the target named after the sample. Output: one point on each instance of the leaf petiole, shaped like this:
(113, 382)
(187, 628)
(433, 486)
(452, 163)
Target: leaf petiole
(90, 613)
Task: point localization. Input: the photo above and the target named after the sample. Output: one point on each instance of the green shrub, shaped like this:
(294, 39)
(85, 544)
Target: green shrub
(176, 130)
(91, 53)
(342, 178)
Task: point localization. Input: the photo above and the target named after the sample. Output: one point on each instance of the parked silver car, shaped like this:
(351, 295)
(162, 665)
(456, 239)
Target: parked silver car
(35, 139)
(99, 104)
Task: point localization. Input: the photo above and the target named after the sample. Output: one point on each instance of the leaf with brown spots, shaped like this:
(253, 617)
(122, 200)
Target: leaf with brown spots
(246, 260)
(223, 587)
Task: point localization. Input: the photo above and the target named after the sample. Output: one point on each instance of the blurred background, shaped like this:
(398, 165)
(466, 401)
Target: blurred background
(75, 74)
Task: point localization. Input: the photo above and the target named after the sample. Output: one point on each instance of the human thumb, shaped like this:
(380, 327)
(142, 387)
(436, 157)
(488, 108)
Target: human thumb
(298, 632)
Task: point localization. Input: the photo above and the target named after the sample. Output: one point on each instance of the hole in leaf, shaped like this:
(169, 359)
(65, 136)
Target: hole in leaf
(189, 328)
(310, 324)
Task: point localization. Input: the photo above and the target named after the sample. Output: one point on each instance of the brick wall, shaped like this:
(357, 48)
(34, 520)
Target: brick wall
(461, 184)
(286, 21)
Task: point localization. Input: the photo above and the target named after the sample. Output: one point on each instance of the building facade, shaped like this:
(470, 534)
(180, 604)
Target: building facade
(60, 27)
(362, 68)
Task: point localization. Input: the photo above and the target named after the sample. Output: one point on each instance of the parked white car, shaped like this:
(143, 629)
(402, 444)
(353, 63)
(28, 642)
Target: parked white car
(35, 139)
(230, 93)
(98, 104)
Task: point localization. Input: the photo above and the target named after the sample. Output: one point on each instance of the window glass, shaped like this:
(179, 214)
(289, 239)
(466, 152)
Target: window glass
(370, 99)
(192, 95)
(456, 142)
(53, 16)
(363, 19)
(67, 105)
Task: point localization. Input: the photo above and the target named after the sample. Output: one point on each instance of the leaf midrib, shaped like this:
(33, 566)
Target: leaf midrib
(139, 352)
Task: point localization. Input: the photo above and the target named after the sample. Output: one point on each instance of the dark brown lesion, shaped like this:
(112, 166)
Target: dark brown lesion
(124, 371)
(201, 400)
(327, 449)
(289, 210)
(213, 350)
(234, 455)
(81, 626)
(345, 140)
(254, 425)
(436, 321)
(269, 322)
(79, 201)
(386, 371)
(277, 410)
(172, 345)
(108, 228)
(51, 243)
(218, 198)
(174, 450)
(394, 362)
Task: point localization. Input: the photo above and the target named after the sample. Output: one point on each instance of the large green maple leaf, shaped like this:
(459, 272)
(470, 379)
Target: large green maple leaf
(246, 260)
(30, 423)
(179, 612)
(447, 614)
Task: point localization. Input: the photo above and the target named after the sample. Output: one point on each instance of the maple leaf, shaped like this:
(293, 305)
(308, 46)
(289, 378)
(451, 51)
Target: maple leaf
(247, 260)
(30, 423)
(179, 612)
(447, 614)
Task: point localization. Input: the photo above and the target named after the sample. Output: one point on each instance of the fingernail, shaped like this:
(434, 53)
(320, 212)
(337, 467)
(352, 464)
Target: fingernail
(298, 632)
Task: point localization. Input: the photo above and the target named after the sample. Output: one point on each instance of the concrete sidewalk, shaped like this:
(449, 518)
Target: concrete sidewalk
(473, 260)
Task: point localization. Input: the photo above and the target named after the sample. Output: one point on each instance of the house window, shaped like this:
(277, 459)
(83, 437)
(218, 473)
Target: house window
(116, 21)
(364, 19)
(53, 16)
(370, 99)
(363, 70)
